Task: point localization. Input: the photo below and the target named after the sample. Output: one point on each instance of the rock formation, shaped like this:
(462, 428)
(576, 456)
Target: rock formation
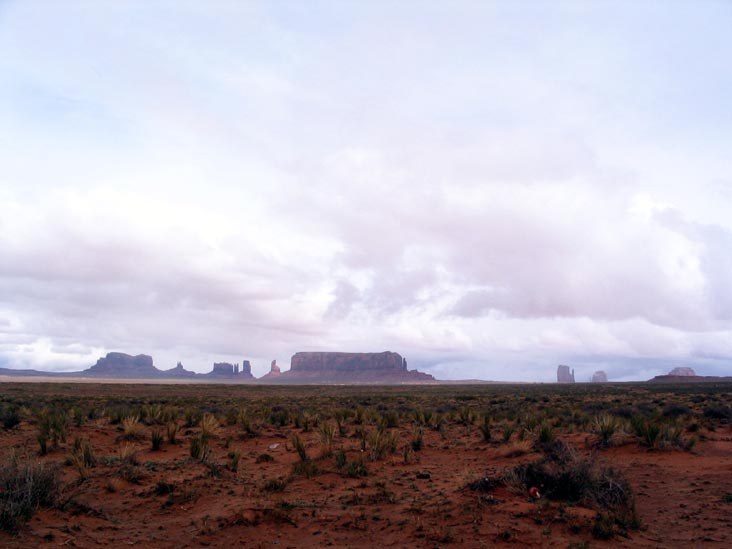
(326, 367)
(228, 370)
(563, 375)
(223, 369)
(599, 377)
(178, 372)
(274, 372)
(124, 365)
(682, 371)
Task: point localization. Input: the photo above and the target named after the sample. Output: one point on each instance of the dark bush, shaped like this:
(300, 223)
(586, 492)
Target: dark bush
(23, 488)
(717, 411)
(9, 417)
(561, 476)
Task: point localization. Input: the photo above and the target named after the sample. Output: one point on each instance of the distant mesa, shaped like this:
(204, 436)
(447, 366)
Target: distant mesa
(124, 365)
(684, 374)
(683, 371)
(564, 375)
(599, 377)
(329, 367)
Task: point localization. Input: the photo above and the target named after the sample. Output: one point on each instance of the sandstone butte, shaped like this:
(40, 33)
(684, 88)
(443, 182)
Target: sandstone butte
(327, 367)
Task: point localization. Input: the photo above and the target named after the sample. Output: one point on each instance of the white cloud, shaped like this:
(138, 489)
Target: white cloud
(474, 188)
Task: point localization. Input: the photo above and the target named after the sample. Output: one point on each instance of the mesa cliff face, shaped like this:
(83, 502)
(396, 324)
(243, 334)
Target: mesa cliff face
(326, 367)
(124, 365)
(347, 362)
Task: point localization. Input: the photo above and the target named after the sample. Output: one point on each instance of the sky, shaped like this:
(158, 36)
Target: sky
(488, 188)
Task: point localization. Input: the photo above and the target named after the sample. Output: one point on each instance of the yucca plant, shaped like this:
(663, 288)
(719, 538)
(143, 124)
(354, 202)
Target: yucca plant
(605, 426)
(299, 446)
(127, 454)
(209, 425)
(327, 433)
(82, 457)
(546, 433)
(380, 443)
(417, 439)
(171, 430)
(199, 447)
(156, 439)
(466, 415)
(508, 430)
(132, 429)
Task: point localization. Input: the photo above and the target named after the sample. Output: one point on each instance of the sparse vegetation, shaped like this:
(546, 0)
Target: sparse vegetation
(374, 457)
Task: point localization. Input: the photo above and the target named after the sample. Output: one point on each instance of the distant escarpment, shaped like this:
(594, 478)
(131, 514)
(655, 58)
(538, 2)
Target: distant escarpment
(327, 367)
(684, 374)
(315, 368)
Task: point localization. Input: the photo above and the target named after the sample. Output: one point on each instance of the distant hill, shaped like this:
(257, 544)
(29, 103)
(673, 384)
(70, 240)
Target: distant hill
(684, 374)
(688, 379)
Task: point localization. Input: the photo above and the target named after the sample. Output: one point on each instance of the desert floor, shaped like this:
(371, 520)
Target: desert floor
(349, 488)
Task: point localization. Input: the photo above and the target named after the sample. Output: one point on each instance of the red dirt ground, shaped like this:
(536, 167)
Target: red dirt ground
(421, 503)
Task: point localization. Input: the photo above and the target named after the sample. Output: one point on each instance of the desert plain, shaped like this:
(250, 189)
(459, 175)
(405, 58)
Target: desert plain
(190, 465)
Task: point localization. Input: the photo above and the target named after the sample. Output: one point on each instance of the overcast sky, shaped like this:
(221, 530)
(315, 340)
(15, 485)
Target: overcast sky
(489, 189)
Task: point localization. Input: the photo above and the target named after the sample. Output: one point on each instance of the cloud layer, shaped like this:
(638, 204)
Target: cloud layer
(486, 191)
